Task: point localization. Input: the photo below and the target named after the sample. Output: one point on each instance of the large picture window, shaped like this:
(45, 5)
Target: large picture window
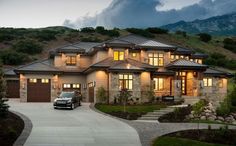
(158, 84)
(71, 60)
(207, 82)
(156, 59)
(126, 81)
(119, 55)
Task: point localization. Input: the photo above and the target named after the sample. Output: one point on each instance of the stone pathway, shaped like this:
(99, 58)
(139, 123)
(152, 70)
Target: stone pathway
(148, 131)
(154, 116)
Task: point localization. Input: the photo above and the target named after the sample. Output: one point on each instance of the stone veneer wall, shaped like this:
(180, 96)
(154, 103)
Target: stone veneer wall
(114, 86)
(215, 93)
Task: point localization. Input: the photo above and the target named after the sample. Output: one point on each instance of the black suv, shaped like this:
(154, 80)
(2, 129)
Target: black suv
(68, 100)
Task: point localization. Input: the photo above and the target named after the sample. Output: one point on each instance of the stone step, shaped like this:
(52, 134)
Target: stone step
(151, 115)
(148, 118)
(155, 113)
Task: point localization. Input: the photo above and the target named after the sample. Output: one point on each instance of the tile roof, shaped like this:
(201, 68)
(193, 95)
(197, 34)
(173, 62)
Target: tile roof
(78, 47)
(185, 64)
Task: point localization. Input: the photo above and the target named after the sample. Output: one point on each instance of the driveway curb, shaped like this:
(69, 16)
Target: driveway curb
(25, 132)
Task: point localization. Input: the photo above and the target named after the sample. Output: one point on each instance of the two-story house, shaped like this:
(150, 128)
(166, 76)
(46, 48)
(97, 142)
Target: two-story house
(132, 62)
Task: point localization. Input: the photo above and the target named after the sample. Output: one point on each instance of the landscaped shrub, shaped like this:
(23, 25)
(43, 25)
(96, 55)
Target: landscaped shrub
(13, 58)
(101, 94)
(157, 30)
(90, 39)
(204, 37)
(28, 46)
(141, 32)
(199, 107)
(224, 108)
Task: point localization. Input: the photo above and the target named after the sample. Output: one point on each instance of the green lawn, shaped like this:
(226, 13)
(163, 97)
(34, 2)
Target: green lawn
(129, 108)
(172, 141)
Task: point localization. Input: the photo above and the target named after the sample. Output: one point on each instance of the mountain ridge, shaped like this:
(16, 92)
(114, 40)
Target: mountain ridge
(217, 25)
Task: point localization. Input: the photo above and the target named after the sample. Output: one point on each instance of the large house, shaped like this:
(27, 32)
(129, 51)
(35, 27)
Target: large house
(132, 62)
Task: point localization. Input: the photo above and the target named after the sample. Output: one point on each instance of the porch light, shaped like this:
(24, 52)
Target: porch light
(128, 66)
(23, 85)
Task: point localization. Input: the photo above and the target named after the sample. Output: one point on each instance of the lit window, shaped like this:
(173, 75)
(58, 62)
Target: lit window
(199, 61)
(156, 59)
(71, 60)
(76, 85)
(119, 55)
(126, 81)
(33, 80)
(207, 82)
(172, 57)
(66, 86)
(44, 80)
(134, 54)
(158, 84)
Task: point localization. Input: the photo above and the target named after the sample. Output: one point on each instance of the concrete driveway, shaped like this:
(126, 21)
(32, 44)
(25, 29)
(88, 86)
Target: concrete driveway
(79, 127)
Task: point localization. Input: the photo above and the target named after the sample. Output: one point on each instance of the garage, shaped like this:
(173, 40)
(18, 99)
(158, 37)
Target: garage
(13, 87)
(38, 90)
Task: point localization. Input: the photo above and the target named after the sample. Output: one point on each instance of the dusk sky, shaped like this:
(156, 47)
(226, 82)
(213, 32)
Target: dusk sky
(109, 13)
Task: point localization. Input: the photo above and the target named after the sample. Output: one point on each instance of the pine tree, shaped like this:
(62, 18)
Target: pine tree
(3, 106)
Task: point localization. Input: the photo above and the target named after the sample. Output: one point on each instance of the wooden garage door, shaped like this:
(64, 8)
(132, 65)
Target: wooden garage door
(13, 87)
(38, 90)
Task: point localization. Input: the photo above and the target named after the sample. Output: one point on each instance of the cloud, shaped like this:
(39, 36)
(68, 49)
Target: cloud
(144, 13)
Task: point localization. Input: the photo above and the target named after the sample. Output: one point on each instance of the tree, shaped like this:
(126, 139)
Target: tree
(157, 30)
(101, 95)
(3, 106)
(123, 96)
(204, 37)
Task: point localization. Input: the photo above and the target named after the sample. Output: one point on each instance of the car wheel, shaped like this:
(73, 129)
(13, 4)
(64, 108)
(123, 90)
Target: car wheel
(72, 106)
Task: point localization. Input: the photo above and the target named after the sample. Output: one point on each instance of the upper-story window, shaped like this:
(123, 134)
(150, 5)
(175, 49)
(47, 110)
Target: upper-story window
(156, 59)
(71, 60)
(175, 57)
(119, 55)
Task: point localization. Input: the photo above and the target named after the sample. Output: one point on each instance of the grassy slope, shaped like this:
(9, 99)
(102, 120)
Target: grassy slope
(191, 41)
(172, 141)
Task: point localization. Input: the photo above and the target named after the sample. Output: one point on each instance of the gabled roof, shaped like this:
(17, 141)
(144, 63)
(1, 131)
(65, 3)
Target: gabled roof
(217, 73)
(128, 64)
(185, 64)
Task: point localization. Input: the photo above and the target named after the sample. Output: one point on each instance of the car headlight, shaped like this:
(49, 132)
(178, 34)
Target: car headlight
(69, 101)
(55, 100)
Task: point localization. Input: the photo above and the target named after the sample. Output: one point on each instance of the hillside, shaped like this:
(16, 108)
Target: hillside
(220, 25)
(18, 46)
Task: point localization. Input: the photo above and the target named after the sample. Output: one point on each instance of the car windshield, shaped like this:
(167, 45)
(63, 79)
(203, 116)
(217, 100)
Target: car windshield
(66, 95)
